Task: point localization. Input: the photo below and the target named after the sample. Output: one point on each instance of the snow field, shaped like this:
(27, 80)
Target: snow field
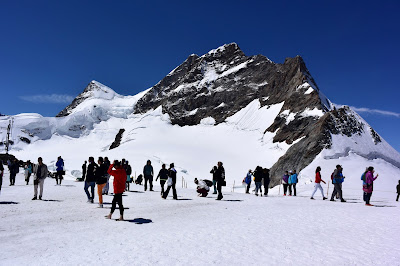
(240, 230)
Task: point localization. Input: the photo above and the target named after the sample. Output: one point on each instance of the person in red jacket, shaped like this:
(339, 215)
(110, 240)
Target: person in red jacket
(119, 187)
(318, 181)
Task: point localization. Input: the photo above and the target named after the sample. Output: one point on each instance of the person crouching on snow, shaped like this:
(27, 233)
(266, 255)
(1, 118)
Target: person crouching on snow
(202, 187)
(119, 186)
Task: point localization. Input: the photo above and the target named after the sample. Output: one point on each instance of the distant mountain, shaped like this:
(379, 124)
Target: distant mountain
(240, 109)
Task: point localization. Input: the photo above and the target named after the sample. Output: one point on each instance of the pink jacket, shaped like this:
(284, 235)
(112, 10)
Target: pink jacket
(369, 178)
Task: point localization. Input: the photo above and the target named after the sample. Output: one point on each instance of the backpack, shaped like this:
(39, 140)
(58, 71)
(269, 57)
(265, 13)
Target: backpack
(208, 182)
(363, 178)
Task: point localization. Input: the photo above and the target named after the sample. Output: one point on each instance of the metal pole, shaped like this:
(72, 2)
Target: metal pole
(8, 137)
(327, 191)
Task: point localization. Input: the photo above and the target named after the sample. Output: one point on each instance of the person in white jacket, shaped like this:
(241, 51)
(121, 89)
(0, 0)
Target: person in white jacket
(202, 187)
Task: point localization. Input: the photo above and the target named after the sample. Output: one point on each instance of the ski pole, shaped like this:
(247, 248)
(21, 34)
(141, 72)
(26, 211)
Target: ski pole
(327, 191)
(279, 193)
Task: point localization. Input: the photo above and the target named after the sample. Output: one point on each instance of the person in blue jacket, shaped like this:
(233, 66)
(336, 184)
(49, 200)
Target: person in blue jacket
(247, 181)
(337, 180)
(293, 180)
(59, 169)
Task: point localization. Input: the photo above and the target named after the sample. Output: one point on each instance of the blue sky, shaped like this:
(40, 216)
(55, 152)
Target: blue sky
(50, 50)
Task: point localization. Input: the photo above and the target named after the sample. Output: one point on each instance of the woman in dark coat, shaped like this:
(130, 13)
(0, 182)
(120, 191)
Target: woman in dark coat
(220, 174)
(171, 182)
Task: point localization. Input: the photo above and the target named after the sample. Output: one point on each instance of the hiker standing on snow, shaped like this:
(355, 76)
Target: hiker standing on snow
(27, 171)
(171, 182)
(41, 172)
(90, 179)
(84, 167)
(60, 169)
(107, 163)
(163, 175)
(220, 180)
(214, 173)
(30, 171)
(148, 175)
(285, 181)
(337, 180)
(14, 170)
(293, 180)
(101, 179)
(119, 186)
(247, 180)
(397, 188)
(128, 170)
(1, 174)
(266, 180)
(369, 185)
(318, 181)
(258, 175)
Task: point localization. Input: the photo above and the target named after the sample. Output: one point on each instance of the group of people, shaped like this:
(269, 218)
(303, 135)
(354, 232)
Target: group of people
(337, 179)
(218, 181)
(260, 176)
(289, 180)
(99, 174)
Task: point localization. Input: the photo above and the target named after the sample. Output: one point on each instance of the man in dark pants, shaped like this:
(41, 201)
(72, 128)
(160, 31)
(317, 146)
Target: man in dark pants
(220, 174)
(266, 180)
(148, 175)
(84, 171)
(163, 175)
(337, 182)
(172, 175)
(398, 191)
(214, 173)
(90, 179)
(1, 174)
(14, 169)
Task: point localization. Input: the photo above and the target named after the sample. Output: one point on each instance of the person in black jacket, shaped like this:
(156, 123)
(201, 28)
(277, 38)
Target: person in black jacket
(1, 174)
(128, 170)
(84, 167)
(220, 174)
(172, 175)
(90, 179)
(101, 179)
(214, 173)
(398, 191)
(266, 180)
(258, 176)
(14, 170)
(163, 175)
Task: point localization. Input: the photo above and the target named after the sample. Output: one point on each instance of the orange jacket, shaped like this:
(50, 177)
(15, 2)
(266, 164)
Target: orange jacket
(119, 179)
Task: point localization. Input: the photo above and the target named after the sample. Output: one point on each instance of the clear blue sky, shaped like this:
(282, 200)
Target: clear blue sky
(50, 50)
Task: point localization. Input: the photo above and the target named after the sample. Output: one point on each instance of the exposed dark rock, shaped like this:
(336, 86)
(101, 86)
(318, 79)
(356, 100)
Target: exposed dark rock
(26, 140)
(375, 136)
(5, 157)
(318, 135)
(224, 81)
(117, 140)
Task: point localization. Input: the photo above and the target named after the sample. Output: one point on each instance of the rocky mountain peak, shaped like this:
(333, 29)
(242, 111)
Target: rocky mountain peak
(93, 90)
(225, 80)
